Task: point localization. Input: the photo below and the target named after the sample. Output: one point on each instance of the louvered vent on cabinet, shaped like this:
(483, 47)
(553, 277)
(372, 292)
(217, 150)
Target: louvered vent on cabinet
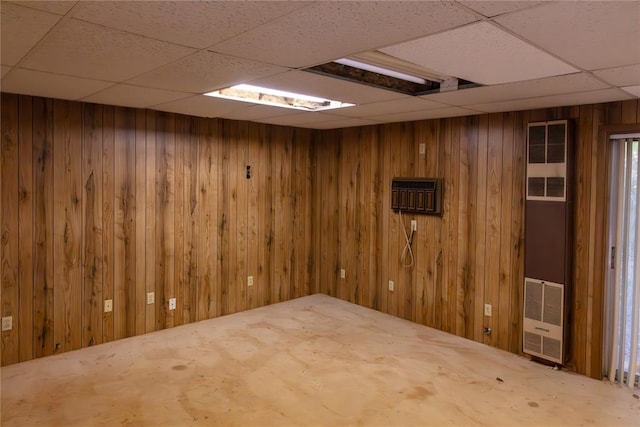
(546, 160)
(544, 319)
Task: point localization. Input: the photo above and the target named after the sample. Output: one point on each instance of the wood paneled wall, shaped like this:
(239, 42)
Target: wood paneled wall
(103, 202)
(474, 254)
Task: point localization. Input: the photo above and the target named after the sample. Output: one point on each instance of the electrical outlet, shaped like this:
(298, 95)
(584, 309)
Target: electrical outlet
(487, 310)
(250, 281)
(422, 148)
(343, 274)
(172, 303)
(391, 285)
(7, 323)
(108, 305)
(414, 224)
(151, 297)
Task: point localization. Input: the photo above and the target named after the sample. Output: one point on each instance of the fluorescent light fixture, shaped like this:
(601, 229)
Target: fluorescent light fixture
(277, 98)
(380, 70)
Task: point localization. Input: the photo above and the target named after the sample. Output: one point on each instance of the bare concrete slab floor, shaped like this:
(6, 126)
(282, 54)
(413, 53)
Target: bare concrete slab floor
(311, 361)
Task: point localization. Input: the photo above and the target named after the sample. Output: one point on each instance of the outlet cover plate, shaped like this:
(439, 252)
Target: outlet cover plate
(151, 297)
(343, 273)
(391, 285)
(108, 305)
(487, 310)
(7, 323)
(172, 303)
(250, 281)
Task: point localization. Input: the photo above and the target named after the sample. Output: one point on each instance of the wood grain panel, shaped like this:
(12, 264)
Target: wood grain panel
(93, 229)
(150, 217)
(108, 219)
(26, 229)
(9, 226)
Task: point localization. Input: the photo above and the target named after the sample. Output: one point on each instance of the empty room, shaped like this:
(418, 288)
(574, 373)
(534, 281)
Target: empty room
(320, 213)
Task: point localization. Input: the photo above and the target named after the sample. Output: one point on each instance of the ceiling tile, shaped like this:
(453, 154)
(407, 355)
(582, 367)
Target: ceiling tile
(37, 83)
(326, 87)
(343, 123)
(491, 8)
(592, 35)
(87, 50)
(407, 103)
(298, 118)
(21, 28)
(326, 31)
(57, 7)
(481, 53)
(204, 72)
(423, 115)
(621, 76)
(633, 90)
(207, 22)
(134, 96)
(4, 70)
(201, 106)
(593, 97)
(569, 83)
(255, 112)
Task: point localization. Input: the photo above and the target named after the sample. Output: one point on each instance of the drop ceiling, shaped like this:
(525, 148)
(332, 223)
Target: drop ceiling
(164, 55)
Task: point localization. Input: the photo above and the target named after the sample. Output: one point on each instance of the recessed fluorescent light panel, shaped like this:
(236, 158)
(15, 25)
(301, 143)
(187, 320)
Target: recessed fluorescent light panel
(384, 78)
(277, 98)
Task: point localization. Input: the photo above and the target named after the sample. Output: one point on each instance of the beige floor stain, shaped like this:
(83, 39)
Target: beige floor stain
(314, 361)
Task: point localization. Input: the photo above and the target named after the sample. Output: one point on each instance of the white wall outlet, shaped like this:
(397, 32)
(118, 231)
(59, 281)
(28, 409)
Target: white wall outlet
(422, 148)
(250, 281)
(151, 297)
(108, 305)
(343, 273)
(487, 310)
(7, 323)
(172, 303)
(391, 285)
(414, 224)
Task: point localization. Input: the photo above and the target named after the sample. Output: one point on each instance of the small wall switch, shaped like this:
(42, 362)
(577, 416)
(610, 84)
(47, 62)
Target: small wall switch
(108, 305)
(391, 285)
(422, 148)
(7, 323)
(343, 274)
(151, 297)
(250, 281)
(414, 224)
(487, 310)
(172, 303)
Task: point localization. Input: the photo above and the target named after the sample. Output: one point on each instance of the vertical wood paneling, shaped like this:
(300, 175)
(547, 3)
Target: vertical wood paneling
(140, 216)
(191, 211)
(67, 156)
(93, 228)
(9, 196)
(25, 230)
(108, 212)
(150, 217)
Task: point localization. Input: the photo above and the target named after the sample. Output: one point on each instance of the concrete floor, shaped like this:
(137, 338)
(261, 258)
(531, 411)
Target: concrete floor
(311, 361)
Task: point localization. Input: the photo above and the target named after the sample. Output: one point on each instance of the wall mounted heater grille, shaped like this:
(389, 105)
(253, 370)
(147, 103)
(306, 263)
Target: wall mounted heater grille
(548, 239)
(417, 195)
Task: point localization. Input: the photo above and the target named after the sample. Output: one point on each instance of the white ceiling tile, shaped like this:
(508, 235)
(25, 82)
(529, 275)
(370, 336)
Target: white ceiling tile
(403, 105)
(57, 7)
(568, 83)
(37, 83)
(204, 72)
(20, 29)
(87, 50)
(326, 31)
(196, 24)
(481, 53)
(621, 76)
(422, 115)
(593, 97)
(591, 34)
(326, 87)
(255, 112)
(298, 118)
(4, 70)
(201, 106)
(490, 8)
(343, 123)
(633, 90)
(134, 96)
